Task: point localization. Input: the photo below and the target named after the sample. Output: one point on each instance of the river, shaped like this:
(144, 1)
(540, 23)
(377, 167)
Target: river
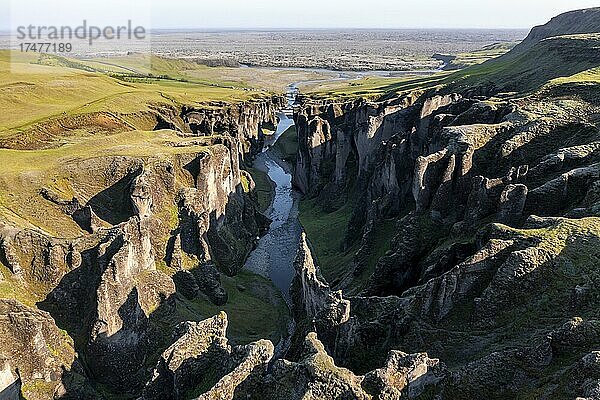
(274, 255)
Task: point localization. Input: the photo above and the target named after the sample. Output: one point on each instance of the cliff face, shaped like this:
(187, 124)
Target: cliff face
(339, 142)
(456, 160)
(148, 229)
(485, 285)
(242, 121)
(492, 199)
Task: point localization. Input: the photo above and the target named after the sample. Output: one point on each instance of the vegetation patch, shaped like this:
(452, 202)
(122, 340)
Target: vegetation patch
(255, 308)
(326, 232)
(287, 145)
(264, 189)
(376, 87)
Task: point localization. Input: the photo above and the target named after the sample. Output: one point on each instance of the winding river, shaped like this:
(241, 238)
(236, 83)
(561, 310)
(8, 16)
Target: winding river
(274, 256)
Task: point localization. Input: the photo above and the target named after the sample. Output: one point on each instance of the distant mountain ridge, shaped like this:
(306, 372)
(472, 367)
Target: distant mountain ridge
(569, 23)
(567, 45)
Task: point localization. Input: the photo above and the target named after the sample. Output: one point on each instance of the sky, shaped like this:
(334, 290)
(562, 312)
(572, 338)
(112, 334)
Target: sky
(214, 14)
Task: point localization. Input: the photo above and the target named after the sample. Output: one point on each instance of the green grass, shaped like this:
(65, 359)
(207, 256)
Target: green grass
(38, 388)
(258, 311)
(38, 89)
(382, 238)
(245, 183)
(13, 288)
(590, 76)
(527, 71)
(375, 87)
(463, 60)
(26, 172)
(265, 189)
(326, 232)
(287, 145)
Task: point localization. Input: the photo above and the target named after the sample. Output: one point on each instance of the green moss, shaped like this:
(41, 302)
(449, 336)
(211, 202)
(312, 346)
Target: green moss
(326, 232)
(264, 189)
(287, 145)
(161, 265)
(38, 388)
(11, 288)
(245, 183)
(210, 378)
(255, 308)
(65, 346)
(382, 237)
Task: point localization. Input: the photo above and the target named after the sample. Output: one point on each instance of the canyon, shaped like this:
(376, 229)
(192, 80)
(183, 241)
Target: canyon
(435, 238)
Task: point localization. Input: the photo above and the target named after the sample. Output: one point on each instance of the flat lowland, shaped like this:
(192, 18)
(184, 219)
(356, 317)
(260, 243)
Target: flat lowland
(344, 50)
(350, 49)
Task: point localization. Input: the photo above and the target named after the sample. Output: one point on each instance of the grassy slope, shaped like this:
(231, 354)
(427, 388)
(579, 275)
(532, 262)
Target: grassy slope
(35, 92)
(554, 61)
(525, 72)
(464, 60)
(38, 92)
(25, 172)
(326, 233)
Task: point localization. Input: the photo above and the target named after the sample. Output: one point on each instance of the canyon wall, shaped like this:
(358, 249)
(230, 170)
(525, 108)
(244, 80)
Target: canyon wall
(150, 227)
(491, 200)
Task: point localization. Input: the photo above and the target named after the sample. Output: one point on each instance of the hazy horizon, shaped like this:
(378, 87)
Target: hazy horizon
(274, 15)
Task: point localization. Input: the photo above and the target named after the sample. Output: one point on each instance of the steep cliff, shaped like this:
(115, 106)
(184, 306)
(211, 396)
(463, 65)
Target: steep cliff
(469, 219)
(242, 121)
(144, 231)
(458, 231)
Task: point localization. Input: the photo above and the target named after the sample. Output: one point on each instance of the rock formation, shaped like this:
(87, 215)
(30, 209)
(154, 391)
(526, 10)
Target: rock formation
(146, 230)
(488, 182)
(494, 198)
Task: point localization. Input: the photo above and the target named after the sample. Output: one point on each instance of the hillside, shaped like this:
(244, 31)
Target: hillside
(449, 247)
(570, 23)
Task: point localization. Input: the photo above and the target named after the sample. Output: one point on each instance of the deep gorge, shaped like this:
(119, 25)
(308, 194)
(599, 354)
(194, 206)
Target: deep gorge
(436, 241)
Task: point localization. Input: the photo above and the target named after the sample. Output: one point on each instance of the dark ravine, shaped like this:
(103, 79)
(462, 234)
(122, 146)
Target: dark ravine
(274, 255)
(489, 287)
(494, 201)
(272, 258)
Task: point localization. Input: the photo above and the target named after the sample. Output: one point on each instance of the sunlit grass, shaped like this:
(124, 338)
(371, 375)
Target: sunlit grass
(373, 87)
